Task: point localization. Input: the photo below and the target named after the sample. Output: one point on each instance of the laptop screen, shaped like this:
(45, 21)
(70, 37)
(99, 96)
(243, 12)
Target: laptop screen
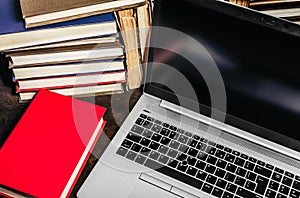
(256, 56)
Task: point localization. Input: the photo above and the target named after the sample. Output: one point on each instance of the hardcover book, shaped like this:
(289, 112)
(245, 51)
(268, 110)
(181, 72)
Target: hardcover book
(46, 152)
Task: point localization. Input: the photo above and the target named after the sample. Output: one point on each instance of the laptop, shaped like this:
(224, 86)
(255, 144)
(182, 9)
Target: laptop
(220, 110)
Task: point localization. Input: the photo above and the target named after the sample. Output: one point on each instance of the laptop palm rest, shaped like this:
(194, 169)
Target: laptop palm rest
(148, 186)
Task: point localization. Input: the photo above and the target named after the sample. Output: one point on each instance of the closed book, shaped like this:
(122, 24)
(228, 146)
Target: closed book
(47, 150)
(13, 33)
(41, 12)
(85, 67)
(71, 81)
(85, 91)
(75, 53)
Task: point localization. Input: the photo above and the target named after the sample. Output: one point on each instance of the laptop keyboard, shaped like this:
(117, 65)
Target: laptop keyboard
(203, 164)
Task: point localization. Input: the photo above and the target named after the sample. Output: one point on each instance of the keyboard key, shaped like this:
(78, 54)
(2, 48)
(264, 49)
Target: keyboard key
(211, 179)
(221, 163)
(166, 125)
(251, 176)
(201, 175)
(172, 153)
(154, 155)
(163, 149)
(289, 174)
(211, 150)
(183, 139)
(202, 156)
(220, 154)
(211, 143)
(133, 137)
(143, 116)
(182, 166)
(297, 177)
(180, 131)
(284, 189)
(231, 188)
(276, 176)
(183, 148)
(122, 151)
(139, 121)
(196, 137)
(296, 185)
(192, 143)
(273, 185)
(246, 193)
(150, 119)
(163, 159)
(231, 168)
(287, 181)
(279, 170)
(211, 159)
(241, 172)
(137, 129)
(262, 183)
(126, 143)
(165, 141)
(173, 173)
(229, 177)
(174, 144)
(181, 157)
(191, 160)
(239, 161)
(193, 152)
(269, 166)
(204, 140)
(173, 163)
(240, 181)
(173, 135)
(154, 145)
(145, 151)
(263, 171)
(200, 164)
(147, 133)
(219, 146)
(227, 195)
(140, 159)
(229, 158)
(221, 183)
(131, 155)
(173, 128)
(156, 128)
(165, 132)
(294, 193)
(228, 150)
(188, 134)
(147, 124)
(270, 194)
(220, 173)
(207, 188)
(158, 122)
(191, 171)
(236, 153)
(261, 163)
(249, 166)
(250, 185)
(210, 168)
(145, 141)
(217, 192)
(135, 147)
(281, 196)
(244, 156)
(252, 159)
(156, 137)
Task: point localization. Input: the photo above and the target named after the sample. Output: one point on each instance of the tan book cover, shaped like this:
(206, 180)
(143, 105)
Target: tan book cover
(43, 12)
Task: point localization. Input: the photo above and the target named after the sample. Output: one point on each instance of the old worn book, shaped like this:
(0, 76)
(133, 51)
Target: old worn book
(241, 2)
(41, 12)
(94, 90)
(85, 67)
(14, 35)
(75, 53)
(70, 81)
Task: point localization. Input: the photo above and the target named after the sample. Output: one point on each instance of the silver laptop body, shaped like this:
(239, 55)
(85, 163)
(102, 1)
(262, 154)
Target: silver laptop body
(170, 146)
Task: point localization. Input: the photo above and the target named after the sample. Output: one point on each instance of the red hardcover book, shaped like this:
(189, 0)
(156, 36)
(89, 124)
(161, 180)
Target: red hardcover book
(46, 152)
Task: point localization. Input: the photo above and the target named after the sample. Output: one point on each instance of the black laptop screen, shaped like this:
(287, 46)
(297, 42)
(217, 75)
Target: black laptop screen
(259, 65)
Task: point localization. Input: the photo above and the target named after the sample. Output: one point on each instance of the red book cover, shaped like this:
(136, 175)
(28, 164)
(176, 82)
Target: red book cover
(46, 152)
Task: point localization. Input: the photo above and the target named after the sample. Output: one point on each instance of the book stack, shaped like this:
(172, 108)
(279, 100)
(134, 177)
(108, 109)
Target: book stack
(69, 47)
(47, 150)
(286, 9)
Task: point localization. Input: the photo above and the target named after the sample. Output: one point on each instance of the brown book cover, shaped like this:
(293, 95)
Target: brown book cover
(43, 12)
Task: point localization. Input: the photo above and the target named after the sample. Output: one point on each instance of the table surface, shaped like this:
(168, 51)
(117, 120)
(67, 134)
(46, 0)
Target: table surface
(118, 106)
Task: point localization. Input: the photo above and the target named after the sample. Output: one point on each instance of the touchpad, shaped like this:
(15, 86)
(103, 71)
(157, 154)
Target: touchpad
(149, 190)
